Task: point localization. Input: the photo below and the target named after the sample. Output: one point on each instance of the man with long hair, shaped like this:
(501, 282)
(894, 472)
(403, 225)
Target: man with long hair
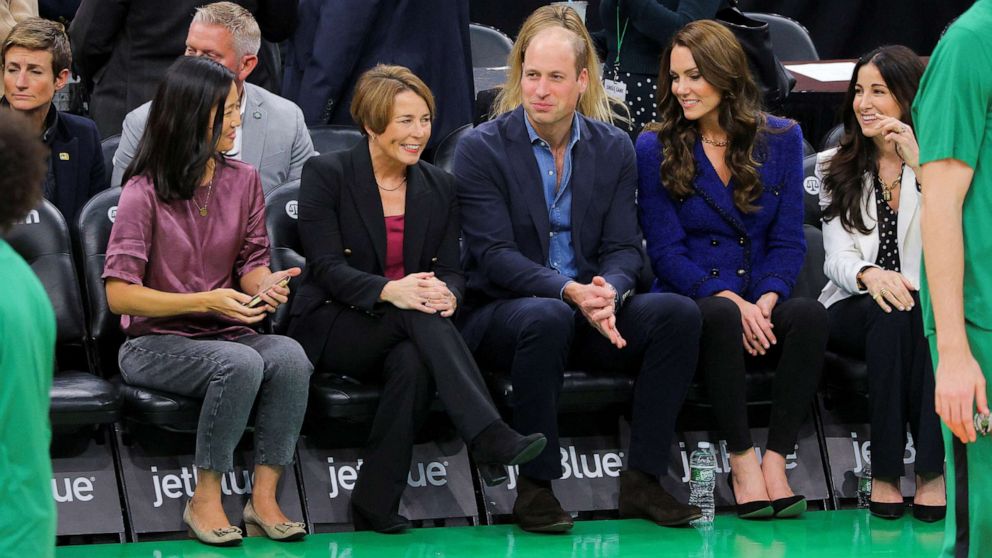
(547, 198)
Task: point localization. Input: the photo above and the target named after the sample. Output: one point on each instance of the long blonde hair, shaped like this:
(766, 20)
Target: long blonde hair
(594, 103)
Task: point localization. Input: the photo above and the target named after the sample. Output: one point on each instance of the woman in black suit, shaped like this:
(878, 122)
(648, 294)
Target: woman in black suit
(380, 231)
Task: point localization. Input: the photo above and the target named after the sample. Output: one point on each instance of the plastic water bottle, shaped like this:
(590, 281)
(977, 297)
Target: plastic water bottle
(702, 482)
(864, 486)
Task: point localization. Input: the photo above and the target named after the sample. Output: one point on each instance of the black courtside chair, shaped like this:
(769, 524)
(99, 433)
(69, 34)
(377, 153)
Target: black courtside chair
(334, 137)
(444, 155)
(331, 396)
(490, 46)
(147, 406)
(79, 398)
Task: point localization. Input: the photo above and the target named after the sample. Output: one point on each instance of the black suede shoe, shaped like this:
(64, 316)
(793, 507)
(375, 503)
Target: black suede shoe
(641, 496)
(537, 510)
(392, 524)
(497, 445)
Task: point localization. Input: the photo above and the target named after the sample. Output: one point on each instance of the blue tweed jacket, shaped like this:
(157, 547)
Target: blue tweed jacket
(703, 244)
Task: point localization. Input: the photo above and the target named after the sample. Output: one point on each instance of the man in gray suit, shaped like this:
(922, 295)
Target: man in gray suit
(273, 136)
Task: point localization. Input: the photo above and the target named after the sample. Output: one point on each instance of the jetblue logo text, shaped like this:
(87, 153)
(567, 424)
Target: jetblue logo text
(593, 465)
(79, 489)
(343, 477)
(862, 452)
(174, 486)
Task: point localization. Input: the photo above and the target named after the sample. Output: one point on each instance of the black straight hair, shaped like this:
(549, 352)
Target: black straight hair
(176, 146)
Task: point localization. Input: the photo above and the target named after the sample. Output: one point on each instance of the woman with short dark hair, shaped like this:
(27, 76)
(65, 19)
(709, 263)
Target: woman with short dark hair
(188, 269)
(380, 232)
(721, 208)
(871, 236)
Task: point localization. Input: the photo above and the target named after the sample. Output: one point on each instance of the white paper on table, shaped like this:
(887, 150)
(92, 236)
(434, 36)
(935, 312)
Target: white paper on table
(829, 71)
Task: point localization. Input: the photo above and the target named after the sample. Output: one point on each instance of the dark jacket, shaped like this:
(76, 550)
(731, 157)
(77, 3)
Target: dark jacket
(336, 42)
(343, 232)
(122, 48)
(703, 244)
(505, 216)
(651, 24)
(75, 164)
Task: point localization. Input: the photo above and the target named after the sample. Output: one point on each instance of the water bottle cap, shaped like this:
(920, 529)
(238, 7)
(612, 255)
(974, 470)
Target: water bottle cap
(704, 445)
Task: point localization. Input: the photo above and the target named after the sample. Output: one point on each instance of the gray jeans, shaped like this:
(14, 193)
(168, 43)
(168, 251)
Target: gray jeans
(228, 375)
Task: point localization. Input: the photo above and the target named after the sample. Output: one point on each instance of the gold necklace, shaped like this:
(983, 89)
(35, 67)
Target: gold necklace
(715, 143)
(888, 188)
(393, 189)
(203, 210)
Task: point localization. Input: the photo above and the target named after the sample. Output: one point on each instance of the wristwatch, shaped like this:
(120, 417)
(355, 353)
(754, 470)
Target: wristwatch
(861, 273)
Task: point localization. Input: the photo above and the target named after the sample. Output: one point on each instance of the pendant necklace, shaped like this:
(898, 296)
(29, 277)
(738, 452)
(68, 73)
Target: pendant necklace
(203, 210)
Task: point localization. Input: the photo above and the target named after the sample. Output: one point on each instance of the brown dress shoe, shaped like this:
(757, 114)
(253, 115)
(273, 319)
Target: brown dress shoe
(641, 496)
(537, 510)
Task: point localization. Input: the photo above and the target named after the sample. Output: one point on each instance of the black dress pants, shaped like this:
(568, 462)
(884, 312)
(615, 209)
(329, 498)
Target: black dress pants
(900, 381)
(797, 357)
(412, 353)
(535, 338)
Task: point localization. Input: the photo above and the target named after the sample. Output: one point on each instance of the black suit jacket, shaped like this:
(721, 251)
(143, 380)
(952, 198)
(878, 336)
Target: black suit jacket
(505, 216)
(343, 233)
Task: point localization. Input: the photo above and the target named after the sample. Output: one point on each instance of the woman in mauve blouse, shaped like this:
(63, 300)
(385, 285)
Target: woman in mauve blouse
(187, 258)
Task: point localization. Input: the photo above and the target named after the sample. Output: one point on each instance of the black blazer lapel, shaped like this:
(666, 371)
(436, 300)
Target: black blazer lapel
(418, 210)
(365, 192)
(528, 177)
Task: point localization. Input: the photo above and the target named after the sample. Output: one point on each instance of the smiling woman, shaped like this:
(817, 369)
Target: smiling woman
(380, 231)
(721, 208)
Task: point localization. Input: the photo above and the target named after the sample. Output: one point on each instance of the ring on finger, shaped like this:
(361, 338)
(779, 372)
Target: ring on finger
(877, 296)
(884, 292)
(904, 129)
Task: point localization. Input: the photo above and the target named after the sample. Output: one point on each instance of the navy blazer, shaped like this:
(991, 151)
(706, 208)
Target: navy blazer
(77, 161)
(343, 233)
(505, 216)
(703, 244)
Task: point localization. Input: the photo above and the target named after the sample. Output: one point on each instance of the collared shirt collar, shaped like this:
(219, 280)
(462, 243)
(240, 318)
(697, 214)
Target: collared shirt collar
(574, 137)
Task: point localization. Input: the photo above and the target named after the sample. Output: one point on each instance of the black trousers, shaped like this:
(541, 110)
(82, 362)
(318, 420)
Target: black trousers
(535, 338)
(411, 353)
(900, 381)
(797, 358)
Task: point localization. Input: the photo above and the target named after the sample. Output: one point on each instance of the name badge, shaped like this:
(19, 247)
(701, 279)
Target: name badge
(616, 90)
(63, 156)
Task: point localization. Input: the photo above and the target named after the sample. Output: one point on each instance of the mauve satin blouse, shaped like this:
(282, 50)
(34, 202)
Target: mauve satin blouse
(170, 247)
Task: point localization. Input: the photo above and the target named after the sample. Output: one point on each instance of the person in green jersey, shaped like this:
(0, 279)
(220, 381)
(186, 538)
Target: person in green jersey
(27, 348)
(952, 113)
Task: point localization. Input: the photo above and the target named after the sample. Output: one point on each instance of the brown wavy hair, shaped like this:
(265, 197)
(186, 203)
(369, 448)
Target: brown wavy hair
(721, 61)
(844, 175)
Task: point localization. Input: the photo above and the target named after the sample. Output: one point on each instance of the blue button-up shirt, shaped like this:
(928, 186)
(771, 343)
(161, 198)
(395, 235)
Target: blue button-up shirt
(561, 252)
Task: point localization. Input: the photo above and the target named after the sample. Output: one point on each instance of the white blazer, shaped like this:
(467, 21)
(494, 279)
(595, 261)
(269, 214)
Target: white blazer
(848, 252)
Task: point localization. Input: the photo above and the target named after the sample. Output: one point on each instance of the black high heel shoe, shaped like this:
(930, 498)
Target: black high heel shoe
(790, 506)
(392, 524)
(885, 510)
(758, 509)
(498, 446)
(929, 514)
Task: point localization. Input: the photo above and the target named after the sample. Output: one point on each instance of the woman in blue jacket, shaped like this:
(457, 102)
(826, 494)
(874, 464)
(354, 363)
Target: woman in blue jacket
(721, 208)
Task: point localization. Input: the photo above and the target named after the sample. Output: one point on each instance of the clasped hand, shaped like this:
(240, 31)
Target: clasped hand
(756, 319)
(420, 291)
(596, 301)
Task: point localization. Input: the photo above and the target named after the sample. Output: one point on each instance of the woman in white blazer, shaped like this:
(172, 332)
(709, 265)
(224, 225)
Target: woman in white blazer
(871, 234)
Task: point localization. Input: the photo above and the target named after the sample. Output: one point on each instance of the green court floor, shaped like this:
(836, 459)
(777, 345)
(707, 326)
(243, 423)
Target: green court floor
(844, 534)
